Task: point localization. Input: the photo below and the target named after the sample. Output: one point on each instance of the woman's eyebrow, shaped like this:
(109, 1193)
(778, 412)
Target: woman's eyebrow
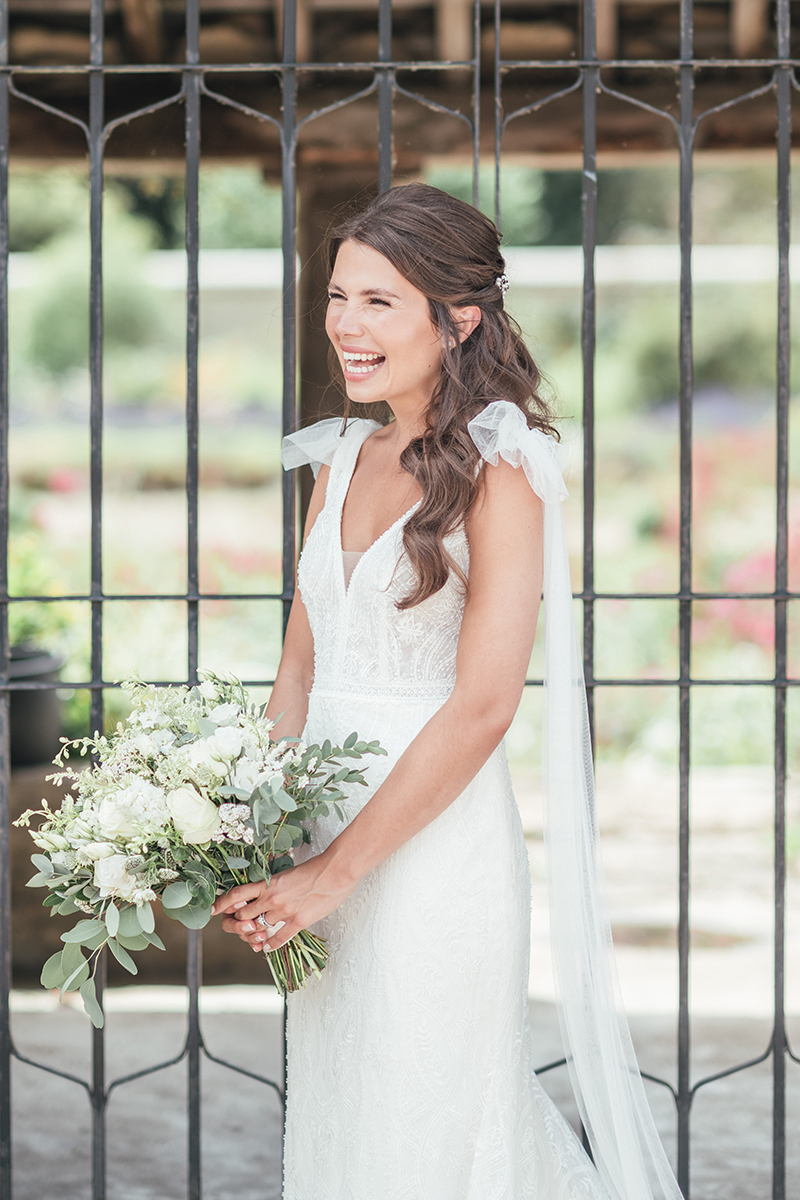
(334, 286)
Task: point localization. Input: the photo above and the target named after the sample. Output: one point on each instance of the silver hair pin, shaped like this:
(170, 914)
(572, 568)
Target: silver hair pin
(502, 283)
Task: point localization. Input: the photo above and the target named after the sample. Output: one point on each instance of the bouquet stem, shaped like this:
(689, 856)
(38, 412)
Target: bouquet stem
(291, 964)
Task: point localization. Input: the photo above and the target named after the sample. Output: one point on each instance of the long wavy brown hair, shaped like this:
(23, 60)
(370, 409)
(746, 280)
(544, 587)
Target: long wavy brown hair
(451, 253)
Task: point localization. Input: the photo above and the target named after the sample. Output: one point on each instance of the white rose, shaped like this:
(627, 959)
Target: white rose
(111, 877)
(207, 690)
(247, 775)
(224, 714)
(113, 820)
(98, 850)
(195, 817)
(200, 755)
(226, 743)
(50, 841)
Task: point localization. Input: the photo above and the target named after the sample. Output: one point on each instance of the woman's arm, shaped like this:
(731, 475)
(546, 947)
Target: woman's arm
(289, 699)
(505, 535)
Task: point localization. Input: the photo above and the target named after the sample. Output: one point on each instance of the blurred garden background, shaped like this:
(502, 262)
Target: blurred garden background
(636, 542)
(240, 382)
(636, 549)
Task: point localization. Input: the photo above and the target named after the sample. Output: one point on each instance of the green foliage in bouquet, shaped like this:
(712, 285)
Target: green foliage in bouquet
(189, 798)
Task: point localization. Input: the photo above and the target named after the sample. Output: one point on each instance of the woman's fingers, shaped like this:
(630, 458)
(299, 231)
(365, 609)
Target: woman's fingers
(237, 898)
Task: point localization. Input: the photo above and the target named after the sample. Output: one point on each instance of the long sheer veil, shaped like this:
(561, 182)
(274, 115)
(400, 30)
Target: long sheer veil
(608, 1086)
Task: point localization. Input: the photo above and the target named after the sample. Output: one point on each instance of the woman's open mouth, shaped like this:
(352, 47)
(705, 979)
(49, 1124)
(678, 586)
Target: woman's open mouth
(362, 363)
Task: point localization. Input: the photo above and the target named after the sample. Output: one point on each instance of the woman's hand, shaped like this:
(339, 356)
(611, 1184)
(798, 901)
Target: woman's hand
(293, 900)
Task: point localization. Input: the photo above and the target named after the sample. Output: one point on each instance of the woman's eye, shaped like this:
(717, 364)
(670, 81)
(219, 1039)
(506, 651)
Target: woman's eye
(335, 296)
(376, 300)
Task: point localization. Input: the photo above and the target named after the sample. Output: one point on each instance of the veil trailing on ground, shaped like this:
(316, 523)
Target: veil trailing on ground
(608, 1086)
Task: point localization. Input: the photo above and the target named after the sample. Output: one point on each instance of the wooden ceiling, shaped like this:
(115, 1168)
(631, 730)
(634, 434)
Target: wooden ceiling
(54, 33)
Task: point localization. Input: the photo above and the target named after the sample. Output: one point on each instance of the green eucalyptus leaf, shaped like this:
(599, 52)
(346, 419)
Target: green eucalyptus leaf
(175, 895)
(42, 863)
(98, 940)
(137, 942)
(236, 863)
(284, 801)
(129, 923)
(255, 873)
(67, 907)
(52, 975)
(53, 899)
(282, 841)
(192, 916)
(93, 1009)
(71, 957)
(205, 727)
(350, 741)
(237, 792)
(83, 931)
(155, 940)
(282, 863)
(122, 956)
(78, 977)
(147, 918)
(40, 880)
(112, 919)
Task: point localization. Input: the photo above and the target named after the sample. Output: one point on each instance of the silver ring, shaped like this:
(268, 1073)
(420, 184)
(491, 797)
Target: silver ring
(264, 923)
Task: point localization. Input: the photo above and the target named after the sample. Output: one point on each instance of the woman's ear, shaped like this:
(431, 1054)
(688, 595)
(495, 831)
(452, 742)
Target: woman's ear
(466, 320)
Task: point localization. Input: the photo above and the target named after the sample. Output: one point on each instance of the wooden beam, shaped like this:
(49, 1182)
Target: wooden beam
(606, 21)
(453, 29)
(748, 27)
(144, 30)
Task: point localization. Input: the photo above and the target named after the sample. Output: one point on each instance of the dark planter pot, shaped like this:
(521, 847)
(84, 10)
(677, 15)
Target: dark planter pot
(35, 716)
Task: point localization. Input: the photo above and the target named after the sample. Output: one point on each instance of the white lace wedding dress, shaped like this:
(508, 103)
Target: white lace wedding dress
(410, 1072)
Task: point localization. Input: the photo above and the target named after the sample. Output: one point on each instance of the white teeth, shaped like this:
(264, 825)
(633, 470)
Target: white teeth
(353, 370)
(371, 362)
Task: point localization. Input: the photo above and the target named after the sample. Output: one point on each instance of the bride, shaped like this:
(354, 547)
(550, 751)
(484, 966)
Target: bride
(410, 1071)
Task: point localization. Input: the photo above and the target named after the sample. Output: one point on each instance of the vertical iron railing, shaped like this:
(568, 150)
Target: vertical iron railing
(594, 79)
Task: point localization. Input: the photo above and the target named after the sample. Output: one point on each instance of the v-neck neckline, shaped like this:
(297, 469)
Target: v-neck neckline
(340, 512)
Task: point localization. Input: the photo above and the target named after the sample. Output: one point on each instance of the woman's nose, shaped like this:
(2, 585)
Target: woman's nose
(348, 322)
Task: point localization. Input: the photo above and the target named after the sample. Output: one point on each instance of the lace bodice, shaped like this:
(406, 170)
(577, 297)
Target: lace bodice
(363, 643)
(368, 1052)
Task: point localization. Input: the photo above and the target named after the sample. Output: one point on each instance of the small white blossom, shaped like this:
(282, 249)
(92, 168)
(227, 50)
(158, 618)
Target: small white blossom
(226, 743)
(225, 714)
(111, 877)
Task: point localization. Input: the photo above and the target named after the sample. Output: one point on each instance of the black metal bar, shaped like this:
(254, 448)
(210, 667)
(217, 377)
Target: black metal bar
(784, 197)
(498, 114)
(686, 145)
(194, 1046)
(192, 85)
(289, 250)
(193, 938)
(385, 95)
(98, 1089)
(476, 104)
(427, 65)
(96, 125)
(591, 76)
(5, 765)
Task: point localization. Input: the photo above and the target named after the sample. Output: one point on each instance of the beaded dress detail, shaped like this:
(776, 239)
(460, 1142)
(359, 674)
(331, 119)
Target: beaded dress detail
(410, 1071)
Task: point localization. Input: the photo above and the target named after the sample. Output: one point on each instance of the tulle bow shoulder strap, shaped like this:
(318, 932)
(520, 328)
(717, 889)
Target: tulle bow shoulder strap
(501, 431)
(318, 444)
(608, 1087)
(315, 445)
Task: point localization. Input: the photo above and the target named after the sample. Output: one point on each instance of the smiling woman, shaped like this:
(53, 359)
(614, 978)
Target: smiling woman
(409, 1060)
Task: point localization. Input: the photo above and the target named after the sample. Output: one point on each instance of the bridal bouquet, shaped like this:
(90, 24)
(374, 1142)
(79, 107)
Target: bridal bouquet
(188, 798)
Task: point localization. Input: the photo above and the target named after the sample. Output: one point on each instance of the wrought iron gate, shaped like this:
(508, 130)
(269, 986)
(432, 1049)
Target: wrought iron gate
(591, 80)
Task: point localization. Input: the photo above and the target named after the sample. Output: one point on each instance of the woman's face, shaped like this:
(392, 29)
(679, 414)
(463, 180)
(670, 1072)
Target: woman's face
(380, 327)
